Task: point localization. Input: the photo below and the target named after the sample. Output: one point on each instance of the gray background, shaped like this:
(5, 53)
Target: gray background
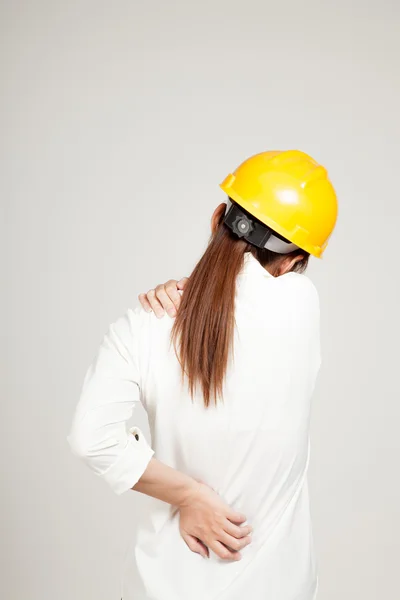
(118, 121)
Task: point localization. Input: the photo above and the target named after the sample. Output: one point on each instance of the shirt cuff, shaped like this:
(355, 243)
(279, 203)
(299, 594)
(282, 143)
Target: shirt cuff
(131, 465)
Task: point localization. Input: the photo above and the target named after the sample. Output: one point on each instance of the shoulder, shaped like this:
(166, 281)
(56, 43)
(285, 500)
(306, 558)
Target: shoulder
(296, 290)
(139, 321)
(298, 283)
(136, 330)
(303, 283)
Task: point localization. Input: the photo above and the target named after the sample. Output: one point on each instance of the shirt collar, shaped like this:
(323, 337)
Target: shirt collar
(251, 265)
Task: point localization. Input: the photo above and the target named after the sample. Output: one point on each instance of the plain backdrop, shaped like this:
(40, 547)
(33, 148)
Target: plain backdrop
(118, 121)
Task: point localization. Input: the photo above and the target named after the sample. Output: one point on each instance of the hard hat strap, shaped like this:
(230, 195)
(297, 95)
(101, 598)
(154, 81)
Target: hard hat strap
(253, 231)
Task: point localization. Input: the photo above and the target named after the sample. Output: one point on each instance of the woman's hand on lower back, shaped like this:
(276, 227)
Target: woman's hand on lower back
(166, 297)
(207, 522)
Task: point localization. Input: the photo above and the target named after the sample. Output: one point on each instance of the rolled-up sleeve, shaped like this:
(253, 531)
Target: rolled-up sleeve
(99, 434)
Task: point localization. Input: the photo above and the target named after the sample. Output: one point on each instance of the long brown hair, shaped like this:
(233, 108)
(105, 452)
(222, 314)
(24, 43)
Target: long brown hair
(203, 330)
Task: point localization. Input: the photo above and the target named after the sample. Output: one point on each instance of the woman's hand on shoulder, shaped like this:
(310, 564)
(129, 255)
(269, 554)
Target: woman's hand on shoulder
(165, 298)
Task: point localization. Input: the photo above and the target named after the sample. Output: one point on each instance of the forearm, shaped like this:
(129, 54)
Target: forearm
(165, 483)
(206, 522)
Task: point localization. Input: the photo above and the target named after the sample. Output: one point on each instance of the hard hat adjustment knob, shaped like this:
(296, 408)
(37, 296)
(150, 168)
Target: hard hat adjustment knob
(242, 226)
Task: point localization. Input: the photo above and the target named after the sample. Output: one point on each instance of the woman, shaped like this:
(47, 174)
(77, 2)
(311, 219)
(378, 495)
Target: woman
(227, 386)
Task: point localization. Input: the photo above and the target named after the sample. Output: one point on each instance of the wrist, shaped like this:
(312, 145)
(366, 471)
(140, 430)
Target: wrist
(190, 491)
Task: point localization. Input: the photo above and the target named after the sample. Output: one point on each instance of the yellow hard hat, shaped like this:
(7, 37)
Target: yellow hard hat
(289, 192)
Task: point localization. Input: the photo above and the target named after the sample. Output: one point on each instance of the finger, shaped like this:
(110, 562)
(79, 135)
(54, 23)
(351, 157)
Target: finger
(145, 303)
(195, 545)
(224, 552)
(182, 283)
(154, 303)
(237, 531)
(165, 300)
(236, 517)
(233, 543)
(171, 287)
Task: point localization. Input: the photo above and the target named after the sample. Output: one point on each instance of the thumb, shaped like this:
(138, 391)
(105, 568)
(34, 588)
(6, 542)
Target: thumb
(195, 545)
(181, 283)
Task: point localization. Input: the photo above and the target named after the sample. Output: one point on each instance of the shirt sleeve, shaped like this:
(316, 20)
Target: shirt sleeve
(99, 434)
(303, 313)
(311, 319)
(315, 328)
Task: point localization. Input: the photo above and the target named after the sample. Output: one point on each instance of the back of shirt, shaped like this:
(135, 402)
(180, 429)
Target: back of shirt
(252, 448)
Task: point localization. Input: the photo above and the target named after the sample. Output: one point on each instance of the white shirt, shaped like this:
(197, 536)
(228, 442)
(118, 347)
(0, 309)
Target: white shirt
(253, 449)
